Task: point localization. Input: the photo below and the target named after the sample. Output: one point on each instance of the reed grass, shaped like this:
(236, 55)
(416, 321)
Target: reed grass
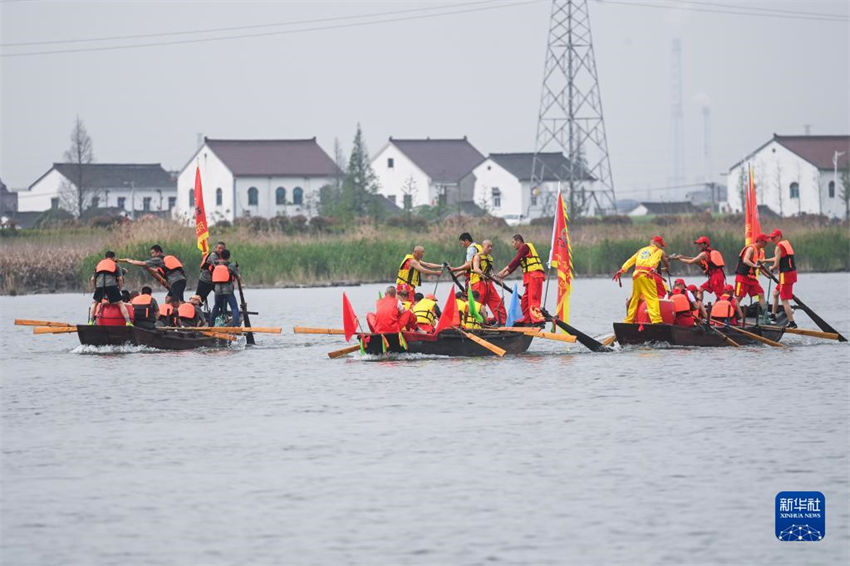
(56, 260)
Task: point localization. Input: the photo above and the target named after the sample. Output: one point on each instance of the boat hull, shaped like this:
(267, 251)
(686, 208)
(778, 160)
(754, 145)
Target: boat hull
(688, 335)
(449, 343)
(171, 340)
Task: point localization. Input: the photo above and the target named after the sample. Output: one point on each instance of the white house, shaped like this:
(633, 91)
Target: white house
(794, 175)
(134, 187)
(256, 178)
(417, 172)
(503, 185)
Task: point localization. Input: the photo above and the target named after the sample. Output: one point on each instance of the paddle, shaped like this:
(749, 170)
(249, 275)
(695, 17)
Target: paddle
(437, 282)
(757, 338)
(552, 336)
(308, 330)
(609, 340)
(586, 341)
(244, 306)
(822, 324)
(54, 329)
(218, 335)
(459, 286)
(483, 343)
(344, 351)
(228, 329)
(24, 322)
(722, 335)
(533, 331)
(805, 332)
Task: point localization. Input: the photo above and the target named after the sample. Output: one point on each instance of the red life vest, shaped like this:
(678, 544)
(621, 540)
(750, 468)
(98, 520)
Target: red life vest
(387, 315)
(221, 274)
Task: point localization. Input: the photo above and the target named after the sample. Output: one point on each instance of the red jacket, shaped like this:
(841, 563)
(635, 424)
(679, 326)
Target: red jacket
(387, 315)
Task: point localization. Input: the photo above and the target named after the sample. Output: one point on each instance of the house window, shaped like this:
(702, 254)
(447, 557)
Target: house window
(122, 201)
(95, 202)
(497, 197)
(280, 195)
(172, 202)
(253, 196)
(219, 196)
(54, 202)
(408, 202)
(391, 198)
(533, 198)
(297, 195)
(795, 190)
(191, 198)
(390, 162)
(832, 189)
(146, 203)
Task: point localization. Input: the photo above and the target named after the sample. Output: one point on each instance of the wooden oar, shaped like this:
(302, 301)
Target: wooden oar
(552, 336)
(454, 278)
(483, 343)
(822, 324)
(609, 340)
(723, 335)
(585, 340)
(227, 329)
(344, 351)
(308, 330)
(757, 338)
(521, 329)
(805, 332)
(24, 322)
(54, 329)
(217, 335)
(246, 322)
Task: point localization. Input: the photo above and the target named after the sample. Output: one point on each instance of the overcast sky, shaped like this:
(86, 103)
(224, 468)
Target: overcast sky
(476, 73)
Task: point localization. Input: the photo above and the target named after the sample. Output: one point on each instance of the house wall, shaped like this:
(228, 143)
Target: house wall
(267, 206)
(489, 175)
(393, 180)
(214, 175)
(775, 168)
(39, 195)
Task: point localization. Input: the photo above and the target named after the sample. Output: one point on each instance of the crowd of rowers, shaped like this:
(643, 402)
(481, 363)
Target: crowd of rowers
(690, 302)
(402, 307)
(113, 305)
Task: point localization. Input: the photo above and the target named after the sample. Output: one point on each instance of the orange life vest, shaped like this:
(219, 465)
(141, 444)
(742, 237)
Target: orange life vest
(166, 309)
(786, 262)
(722, 309)
(142, 307)
(743, 268)
(186, 311)
(172, 264)
(221, 274)
(680, 303)
(107, 265)
(715, 261)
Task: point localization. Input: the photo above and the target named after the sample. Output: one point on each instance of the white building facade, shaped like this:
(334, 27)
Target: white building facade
(426, 172)
(794, 175)
(134, 188)
(503, 187)
(265, 178)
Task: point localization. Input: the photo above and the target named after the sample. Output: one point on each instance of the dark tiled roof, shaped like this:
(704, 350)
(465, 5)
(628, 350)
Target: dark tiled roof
(445, 161)
(818, 150)
(556, 167)
(117, 175)
(296, 158)
(670, 207)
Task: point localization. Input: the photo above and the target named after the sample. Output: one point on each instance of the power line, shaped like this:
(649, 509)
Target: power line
(243, 27)
(273, 33)
(698, 7)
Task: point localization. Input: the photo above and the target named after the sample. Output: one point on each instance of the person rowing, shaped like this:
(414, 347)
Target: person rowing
(712, 264)
(189, 313)
(390, 317)
(427, 313)
(532, 279)
(644, 279)
(107, 280)
(223, 276)
(746, 278)
(145, 307)
(480, 280)
(205, 282)
(783, 260)
(471, 249)
(167, 267)
(411, 269)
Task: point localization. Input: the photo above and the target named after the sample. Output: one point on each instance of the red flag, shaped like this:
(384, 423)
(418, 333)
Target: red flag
(560, 258)
(201, 229)
(751, 210)
(349, 319)
(450, 317)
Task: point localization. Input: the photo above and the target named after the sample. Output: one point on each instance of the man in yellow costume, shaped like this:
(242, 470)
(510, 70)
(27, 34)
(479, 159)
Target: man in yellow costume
(645, 262)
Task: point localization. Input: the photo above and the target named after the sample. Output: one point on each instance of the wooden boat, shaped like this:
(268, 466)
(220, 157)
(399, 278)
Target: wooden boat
(449, 342)
(91, 335)
(689, 335)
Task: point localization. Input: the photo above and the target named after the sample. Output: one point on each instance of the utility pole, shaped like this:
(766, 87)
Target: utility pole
(677, 127)
(570, 120)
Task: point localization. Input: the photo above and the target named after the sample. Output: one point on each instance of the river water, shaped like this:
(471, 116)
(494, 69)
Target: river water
(277, 455)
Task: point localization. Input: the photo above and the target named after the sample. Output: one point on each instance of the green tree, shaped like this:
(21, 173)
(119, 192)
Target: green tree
(358, 194)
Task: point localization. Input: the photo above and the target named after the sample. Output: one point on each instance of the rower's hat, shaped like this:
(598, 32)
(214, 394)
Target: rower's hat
(658, 240)
(762, 238)
(679, 282)
(431, 297)
(692, 288)
(729, 288)
(703, 240)
(776, 233)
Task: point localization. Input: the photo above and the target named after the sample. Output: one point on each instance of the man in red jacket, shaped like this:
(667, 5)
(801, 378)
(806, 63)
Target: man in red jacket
(390, 315)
